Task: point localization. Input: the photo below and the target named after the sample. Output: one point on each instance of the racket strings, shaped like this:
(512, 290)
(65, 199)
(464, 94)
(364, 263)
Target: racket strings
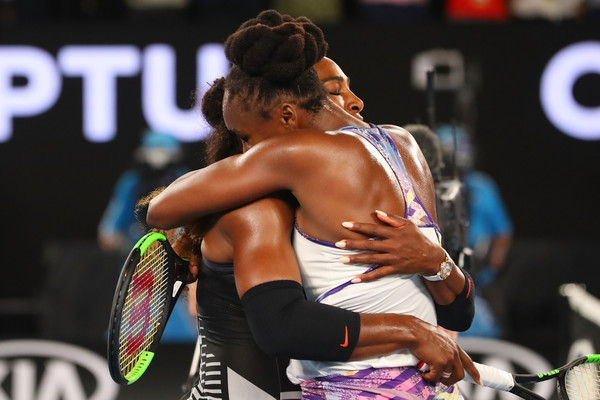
(582, 382)
(153, 309)
(144, 316)
(143, 307)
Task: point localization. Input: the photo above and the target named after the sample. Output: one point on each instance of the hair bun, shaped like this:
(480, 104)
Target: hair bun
(268, 18)
(276, 47)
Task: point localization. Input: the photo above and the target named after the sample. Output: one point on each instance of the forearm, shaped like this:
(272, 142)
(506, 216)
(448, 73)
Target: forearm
(197, 194)
(445, 292)
(226, 184)
(382, 334)
(285, 324)
(454, 302)
(169, 209)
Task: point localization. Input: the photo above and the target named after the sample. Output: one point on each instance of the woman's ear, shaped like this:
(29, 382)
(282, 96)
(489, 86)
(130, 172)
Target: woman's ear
(288, 115)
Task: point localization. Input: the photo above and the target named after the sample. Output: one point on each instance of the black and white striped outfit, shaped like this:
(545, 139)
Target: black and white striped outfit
(231, 366)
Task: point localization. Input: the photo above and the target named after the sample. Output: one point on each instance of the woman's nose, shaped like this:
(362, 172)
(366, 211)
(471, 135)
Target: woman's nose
(354, 105)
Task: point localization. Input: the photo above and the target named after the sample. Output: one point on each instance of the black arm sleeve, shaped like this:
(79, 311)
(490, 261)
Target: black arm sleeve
(458, 315)
(285, 324)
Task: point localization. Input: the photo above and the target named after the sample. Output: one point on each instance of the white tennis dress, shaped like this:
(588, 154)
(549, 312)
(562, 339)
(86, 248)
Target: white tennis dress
(326, 280)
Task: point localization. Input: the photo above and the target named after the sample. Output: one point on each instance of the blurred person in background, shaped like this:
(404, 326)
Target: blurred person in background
(477, 10)
(547, 9)
(318, 11)
(449, 199)
(412, 10)
(489, 228)
(157, 162)
(450, 202)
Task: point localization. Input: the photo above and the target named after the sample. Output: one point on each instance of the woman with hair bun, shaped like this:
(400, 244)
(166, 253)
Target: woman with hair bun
(336, 167)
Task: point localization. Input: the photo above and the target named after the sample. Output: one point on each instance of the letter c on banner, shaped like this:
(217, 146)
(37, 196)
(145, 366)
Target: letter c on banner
(556, 90)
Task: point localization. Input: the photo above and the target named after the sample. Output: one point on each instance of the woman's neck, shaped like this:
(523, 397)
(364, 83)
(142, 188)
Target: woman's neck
(333, 117)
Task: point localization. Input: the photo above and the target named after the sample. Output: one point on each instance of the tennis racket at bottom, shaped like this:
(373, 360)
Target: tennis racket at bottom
(145, 295)
(578, 380)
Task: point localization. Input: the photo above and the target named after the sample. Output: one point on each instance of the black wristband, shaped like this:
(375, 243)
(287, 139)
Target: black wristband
(458, 315)
(285, 324)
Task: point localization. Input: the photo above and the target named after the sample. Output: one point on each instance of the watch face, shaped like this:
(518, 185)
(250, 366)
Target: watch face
(446, 270)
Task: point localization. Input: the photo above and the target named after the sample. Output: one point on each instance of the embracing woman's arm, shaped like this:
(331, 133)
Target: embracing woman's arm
(284, 323)
(226, 184)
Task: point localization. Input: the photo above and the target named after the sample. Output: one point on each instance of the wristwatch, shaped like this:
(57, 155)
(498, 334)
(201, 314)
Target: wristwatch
(443, 273)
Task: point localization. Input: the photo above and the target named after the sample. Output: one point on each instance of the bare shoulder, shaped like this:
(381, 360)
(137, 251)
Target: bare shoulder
(408, 146)
(401, 136)
(270, 213)
(303, 151)
(297, 142)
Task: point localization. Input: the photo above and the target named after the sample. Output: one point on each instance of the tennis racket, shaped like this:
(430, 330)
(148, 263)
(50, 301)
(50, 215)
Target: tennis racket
(145, 295)
(578, 380)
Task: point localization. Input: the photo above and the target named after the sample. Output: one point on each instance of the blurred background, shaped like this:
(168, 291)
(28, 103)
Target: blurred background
(97, 108)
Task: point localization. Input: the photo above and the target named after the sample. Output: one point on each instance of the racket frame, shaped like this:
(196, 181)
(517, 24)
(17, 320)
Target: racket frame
(174, 287)
(561, 382)
(489, 376)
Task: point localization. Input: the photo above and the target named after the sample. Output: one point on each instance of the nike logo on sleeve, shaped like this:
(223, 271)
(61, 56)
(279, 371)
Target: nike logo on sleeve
(345, 344)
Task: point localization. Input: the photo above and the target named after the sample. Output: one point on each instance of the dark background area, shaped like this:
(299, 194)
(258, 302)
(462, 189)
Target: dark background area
(54, 184)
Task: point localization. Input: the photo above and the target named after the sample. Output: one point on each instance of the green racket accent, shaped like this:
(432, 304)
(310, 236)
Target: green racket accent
(549, 373)
(593, 358)
(139, 242)
(140, 367)
(149, 239)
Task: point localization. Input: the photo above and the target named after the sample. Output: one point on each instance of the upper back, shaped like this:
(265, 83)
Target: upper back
(256, 238)
(344, 178)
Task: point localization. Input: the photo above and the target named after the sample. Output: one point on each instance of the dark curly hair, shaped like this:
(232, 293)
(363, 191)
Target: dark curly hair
(273, 57)
(222, 142)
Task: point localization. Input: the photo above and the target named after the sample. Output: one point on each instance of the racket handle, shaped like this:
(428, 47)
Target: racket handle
(492, 377)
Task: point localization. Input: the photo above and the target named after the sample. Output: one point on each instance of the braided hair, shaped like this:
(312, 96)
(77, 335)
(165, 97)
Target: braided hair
(273, 57)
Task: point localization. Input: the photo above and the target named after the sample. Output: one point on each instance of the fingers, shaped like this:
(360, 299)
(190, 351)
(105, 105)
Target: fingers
(457, 372)
(391, 219)
(462, 364)
(186, 273)
(193, 267)
(437, 373)
(362, 244)
(468, 366)
(369, 229)
(447, 374)
(367, 258)
(375, 274)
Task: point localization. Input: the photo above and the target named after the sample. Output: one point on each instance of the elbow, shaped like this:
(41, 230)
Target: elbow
(272, 341)
(458, 319)
(457, 326)
(156, 216)
(271, 344)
